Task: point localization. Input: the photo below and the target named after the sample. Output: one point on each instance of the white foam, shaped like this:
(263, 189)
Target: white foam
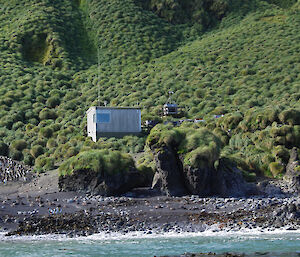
(207, 233)
(277, 234)
(31, 237)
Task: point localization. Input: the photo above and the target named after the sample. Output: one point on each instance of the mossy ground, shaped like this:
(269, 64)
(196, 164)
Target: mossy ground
(198, 146)
(103, 162)
(244, 64)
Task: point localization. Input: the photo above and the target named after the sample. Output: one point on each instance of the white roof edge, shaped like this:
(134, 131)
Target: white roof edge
(112, 108)
(90, 109)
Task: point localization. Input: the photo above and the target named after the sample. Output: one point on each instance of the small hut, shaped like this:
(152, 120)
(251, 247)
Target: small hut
(112, 121)
(170, 109)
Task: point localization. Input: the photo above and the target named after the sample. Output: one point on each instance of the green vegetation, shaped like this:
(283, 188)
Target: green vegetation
(203, 13)
(198, 145)
(276, 168)
(237, 58)
(100, 161)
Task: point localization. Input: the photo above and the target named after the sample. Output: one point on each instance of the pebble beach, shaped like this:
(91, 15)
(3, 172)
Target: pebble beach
(37, 207)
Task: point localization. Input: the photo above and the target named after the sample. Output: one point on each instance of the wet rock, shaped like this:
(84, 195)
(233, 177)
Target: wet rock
(62, 223)
(292, 208)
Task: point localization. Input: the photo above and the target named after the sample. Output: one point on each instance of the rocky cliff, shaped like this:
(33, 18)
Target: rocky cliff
(173, 178)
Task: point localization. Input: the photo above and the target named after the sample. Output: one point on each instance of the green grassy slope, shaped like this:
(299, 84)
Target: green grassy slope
(243, 63)
(125, 33)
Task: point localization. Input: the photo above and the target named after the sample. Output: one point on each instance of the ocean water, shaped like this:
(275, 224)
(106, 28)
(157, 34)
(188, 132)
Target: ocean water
(279, 242)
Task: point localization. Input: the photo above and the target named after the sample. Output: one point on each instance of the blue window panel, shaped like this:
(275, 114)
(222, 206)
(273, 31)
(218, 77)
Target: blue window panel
(103, 117)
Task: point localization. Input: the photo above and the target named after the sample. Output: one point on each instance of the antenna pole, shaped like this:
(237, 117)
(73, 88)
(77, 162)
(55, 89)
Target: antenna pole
(98, 76)
(170, 97)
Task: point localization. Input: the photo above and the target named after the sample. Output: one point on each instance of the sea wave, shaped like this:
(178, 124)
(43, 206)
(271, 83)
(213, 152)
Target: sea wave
(280, 233)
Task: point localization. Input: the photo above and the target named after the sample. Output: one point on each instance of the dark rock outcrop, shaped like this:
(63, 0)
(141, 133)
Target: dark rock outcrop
(103, 184)
(78, 223)
(292, 175)
(199, 180)
(228, 181)
(168, 177)
(174, 179)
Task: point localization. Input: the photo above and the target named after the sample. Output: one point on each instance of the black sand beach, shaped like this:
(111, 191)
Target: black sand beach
(37, 207)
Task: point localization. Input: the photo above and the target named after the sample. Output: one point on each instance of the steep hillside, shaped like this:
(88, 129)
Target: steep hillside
(237, 58)
(124, 33)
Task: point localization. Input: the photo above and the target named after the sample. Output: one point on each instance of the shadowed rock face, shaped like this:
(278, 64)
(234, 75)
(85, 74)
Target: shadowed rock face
(198, 180)
(228, 181)
(292, 175)
(174, 179)
(169, 178)
(100, 184)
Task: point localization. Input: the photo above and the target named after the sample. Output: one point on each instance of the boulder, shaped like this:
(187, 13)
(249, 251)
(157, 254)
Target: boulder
(100, 184)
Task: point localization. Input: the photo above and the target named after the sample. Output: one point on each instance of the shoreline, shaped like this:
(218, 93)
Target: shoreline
(104, 240)
(140, 235)
(37, 207)
(84, 216)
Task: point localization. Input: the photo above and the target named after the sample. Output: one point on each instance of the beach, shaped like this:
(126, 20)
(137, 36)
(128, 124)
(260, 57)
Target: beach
(37, 207)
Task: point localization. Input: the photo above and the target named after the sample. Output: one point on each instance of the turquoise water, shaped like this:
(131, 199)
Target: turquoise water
(281, 243)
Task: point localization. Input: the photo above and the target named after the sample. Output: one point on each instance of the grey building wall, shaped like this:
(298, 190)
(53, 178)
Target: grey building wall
(113, 121)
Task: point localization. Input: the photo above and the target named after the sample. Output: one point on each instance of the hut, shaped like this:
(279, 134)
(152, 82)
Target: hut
(170, 109)
(112, 121)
